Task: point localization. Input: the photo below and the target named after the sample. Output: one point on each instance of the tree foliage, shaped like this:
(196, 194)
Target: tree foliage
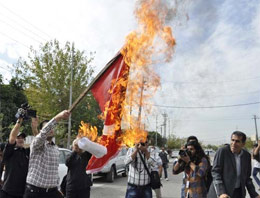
(11, 97)
(152, 137)
(46, 76)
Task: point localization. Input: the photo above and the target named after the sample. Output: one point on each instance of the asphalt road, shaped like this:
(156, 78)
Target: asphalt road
(117, 189)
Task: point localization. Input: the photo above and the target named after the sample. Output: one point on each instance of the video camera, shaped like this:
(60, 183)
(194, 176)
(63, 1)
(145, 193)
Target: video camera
(184, 153)
(25, 112)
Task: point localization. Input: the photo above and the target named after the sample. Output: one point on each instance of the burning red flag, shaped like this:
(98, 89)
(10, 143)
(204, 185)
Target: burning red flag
(109, 91)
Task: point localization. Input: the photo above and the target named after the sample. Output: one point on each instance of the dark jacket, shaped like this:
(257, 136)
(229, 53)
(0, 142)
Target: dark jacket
(77, 179)
(224, 174)
(16, 162)
(164, 158)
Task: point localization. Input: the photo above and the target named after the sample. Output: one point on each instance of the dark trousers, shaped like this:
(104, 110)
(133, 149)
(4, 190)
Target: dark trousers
(237, 193)
(165, 166)
(52, 194)
(83, 193)
(4, 194)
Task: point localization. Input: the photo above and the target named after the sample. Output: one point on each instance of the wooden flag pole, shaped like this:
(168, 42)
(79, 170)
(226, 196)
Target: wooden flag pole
(84, 93)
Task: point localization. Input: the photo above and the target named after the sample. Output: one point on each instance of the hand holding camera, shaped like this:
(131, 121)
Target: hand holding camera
(185, 155)
(25, 112)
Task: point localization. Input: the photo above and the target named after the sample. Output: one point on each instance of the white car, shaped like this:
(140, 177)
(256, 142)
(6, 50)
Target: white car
(63, 169)
(114, 167)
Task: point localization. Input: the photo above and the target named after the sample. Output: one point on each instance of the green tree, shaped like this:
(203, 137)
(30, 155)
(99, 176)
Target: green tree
(11, 97)
(152, 137)
(46, 76)
(174, 142)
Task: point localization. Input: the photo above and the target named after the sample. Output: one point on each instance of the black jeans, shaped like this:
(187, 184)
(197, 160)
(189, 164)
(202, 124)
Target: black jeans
(52, 194)
(82, 193)
(4, 194)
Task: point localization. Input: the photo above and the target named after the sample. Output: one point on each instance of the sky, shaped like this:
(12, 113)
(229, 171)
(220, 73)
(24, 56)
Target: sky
(216, 61)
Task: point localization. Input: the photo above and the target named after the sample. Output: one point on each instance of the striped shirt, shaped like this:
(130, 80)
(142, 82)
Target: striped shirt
(137, 174)
(44, 160)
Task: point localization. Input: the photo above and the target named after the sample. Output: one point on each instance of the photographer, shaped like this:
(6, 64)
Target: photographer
(138, 178)
(16, 159)
(194, 163)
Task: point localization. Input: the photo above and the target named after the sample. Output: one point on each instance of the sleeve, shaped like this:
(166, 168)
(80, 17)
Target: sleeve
(217, 169)
(86, 157)
(249, 184)
(128, 158)
(39, 140)
(94, 148)
(201, 169)
(71, 159)
(8, 151)
(181, 168)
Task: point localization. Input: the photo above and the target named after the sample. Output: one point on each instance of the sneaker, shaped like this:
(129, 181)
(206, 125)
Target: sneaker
(166, 179)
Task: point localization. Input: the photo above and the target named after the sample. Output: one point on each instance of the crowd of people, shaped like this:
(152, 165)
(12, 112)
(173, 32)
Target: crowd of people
(33, 172)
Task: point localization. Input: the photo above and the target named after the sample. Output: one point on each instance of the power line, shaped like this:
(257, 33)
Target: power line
(14, 40)
(20, 31)
(27, 29)
(25, 20)
(207, 107)
(216, 82)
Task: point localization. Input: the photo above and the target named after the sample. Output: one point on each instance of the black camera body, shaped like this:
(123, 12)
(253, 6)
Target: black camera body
(184, 153)
(25, 112)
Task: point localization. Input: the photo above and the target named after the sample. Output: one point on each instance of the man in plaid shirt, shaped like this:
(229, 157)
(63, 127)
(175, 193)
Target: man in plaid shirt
(138, 178)
(43, 179)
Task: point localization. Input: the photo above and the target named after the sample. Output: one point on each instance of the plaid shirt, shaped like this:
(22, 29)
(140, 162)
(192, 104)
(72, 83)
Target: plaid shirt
(44, 160)
(137, 173)
(194, 181)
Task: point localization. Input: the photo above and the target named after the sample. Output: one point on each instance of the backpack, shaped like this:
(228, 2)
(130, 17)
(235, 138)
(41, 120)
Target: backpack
(63, 185)
(208, 177)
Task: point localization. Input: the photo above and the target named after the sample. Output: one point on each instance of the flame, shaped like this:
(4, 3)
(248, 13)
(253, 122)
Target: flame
(88, 131)
(151, 44)
(143, 49)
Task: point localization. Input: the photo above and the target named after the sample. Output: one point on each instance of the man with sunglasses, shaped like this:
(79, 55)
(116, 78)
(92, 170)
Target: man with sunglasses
(138, 178)
(231, 170)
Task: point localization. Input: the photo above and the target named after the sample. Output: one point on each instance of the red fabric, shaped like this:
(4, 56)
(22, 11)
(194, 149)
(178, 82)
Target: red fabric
(109, 93)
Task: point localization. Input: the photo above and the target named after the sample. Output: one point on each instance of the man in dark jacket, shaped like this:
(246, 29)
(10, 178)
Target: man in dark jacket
(231, 170)
(16, 160)
(164, 157)
(78, 182)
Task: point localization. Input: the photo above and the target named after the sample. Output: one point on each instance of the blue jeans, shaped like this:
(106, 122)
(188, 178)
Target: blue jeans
(138, 191)
(165, 167)
(255, 171)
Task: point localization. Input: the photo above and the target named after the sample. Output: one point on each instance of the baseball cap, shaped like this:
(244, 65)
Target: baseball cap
(21, 134)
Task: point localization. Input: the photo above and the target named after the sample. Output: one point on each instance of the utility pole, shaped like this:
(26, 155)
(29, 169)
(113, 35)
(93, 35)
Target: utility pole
(169, 128)
(70, 98)
(141, 104)
(256, 133)
(156, 131)
(164, 123)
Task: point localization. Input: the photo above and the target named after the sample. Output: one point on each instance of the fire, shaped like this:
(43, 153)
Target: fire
(88, 131)
(150, 45)
(142, 50)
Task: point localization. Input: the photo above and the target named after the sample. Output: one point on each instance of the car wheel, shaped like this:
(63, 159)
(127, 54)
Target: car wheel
(110, 177)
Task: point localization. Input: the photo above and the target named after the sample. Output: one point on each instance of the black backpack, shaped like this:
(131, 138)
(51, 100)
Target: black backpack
(208, 177)
(63, 185)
